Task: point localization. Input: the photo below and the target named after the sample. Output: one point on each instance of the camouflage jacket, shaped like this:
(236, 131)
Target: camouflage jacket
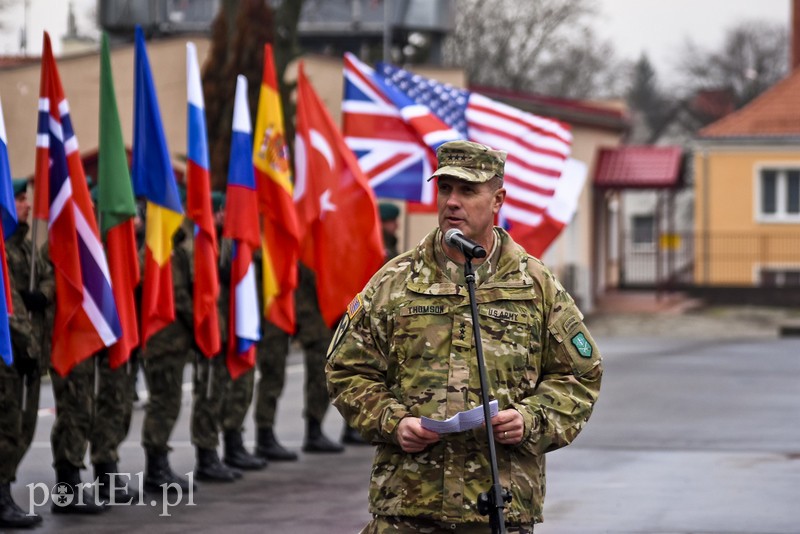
(30, 332)
(405, 347)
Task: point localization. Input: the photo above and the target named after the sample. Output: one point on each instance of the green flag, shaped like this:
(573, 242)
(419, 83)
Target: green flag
(115, 199)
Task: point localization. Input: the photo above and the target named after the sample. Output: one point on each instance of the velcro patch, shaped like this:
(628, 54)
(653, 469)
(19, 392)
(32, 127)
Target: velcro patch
(355, 307)
(582, 344)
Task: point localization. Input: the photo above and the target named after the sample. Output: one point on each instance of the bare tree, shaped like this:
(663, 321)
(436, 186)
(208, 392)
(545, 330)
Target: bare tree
(544, 46)
(238, 35)
(753, 56)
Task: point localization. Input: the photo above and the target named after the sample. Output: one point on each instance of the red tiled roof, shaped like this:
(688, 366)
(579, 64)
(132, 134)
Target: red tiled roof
(639, 167)
(774, 113)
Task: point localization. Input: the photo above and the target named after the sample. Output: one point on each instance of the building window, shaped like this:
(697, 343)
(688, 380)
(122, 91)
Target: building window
(775, 277)
(779, 195)
(644, 229)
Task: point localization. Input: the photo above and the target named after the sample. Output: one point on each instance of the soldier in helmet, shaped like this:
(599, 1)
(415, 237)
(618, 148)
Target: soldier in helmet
(405, 350)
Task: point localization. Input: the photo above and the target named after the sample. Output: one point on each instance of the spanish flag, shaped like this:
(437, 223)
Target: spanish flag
(154, 179)
(281, 234)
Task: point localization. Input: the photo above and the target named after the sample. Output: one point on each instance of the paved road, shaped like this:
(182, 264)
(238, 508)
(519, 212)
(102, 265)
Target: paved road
(690, 435)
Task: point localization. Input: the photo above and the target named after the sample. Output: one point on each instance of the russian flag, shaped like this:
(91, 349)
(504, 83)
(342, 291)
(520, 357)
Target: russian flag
(198, 207)
(154, 179)
(241, 225)
(8, 211)
(86, 312)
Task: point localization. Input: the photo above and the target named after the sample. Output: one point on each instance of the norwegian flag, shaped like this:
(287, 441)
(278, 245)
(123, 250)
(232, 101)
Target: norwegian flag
(388, 149)
(86, 313)
(537, 147)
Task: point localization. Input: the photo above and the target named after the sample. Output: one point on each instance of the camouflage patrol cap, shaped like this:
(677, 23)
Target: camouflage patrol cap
(469, 161)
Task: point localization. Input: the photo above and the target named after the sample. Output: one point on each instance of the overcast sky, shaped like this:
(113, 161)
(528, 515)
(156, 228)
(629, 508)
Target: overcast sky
(658, 27)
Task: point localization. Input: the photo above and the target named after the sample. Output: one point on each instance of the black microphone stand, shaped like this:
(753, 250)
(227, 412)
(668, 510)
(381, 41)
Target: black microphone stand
(493, 502)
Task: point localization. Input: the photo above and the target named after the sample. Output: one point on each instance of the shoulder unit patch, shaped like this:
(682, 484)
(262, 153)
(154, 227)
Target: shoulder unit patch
(582, 344)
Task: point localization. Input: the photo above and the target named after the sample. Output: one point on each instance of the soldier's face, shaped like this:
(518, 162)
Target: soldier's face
(468, 206)
(23, 208)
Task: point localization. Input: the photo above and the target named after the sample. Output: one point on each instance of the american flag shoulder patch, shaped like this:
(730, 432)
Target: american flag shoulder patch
(355, 307)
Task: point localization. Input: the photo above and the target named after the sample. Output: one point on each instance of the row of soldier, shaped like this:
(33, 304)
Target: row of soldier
(94, 403)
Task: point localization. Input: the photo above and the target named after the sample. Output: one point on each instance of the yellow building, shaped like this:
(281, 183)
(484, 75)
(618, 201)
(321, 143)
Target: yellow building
(747, 194)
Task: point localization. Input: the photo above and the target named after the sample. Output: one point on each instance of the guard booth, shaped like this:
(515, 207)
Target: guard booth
(646, 212)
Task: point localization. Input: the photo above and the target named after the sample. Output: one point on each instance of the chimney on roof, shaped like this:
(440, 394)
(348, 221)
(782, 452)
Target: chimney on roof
(794, 55)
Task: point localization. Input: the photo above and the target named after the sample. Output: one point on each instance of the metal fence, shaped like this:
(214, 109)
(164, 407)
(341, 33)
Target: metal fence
(701, 259)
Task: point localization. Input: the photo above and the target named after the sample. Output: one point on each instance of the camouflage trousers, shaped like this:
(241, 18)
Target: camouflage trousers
(163, 373)
(16, 426)
(412, 525)
(272, 352)
(237, 399)
(210, 380)
(113, 408)
(74, 396)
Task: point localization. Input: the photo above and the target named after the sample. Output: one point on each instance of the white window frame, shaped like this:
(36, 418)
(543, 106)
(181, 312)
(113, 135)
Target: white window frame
(782, 188)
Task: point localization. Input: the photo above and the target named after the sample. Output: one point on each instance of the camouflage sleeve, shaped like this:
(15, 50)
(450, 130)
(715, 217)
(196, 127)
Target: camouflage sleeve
(20, 326)
(182, 283)
(47, 280)
(357, 370)
(569, 381)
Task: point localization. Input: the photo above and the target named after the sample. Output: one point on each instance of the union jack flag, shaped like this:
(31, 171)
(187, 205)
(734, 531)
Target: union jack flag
(389, 151)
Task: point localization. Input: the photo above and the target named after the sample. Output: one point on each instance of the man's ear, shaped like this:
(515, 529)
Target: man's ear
(499, 198)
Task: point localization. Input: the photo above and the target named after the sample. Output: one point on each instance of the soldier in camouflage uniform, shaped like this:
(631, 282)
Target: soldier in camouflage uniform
(233, 397)
(164, 357)
(405, 350)
(28, 328)
(273, 350)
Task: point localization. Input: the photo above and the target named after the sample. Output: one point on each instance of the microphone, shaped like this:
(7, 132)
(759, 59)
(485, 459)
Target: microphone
(469, 248)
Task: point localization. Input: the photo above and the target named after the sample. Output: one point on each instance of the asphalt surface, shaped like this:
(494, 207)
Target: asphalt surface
(696, 431)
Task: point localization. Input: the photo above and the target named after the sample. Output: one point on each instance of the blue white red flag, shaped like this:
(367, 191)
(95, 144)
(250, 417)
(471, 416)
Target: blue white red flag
(241, 225)
(8, 211)
(86, 312)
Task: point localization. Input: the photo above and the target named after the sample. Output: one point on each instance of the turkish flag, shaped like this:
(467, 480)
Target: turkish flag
(339, 223)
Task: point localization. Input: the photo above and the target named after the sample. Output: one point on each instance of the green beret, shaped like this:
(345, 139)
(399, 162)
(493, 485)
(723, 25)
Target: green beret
(472, 162)
(20, 185)
(389, 212)
(217, 200)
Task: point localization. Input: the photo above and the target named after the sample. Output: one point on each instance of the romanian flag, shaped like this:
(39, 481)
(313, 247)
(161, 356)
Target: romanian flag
(241, 225)
(154, 179)
(8, 212)
(342, 241)
(281, 234)
(117, 209)
(198, 207)
(86, 312)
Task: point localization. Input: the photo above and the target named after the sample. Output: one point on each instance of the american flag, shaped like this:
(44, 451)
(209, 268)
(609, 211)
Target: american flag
(537, 147)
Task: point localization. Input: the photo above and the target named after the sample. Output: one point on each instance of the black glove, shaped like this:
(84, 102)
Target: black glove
(26, 366)
(34, 300)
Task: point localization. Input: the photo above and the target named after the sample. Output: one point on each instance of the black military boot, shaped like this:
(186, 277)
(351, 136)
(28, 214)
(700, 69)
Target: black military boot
(237, 456)
(70, 499)
(104, 475)
(316, 441)
(209, 468)
(158, 472)
(11, 515)
(350, 436)
(267, 446)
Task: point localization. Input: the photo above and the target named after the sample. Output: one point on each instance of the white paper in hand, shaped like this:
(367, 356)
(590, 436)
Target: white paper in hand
(459, 422)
